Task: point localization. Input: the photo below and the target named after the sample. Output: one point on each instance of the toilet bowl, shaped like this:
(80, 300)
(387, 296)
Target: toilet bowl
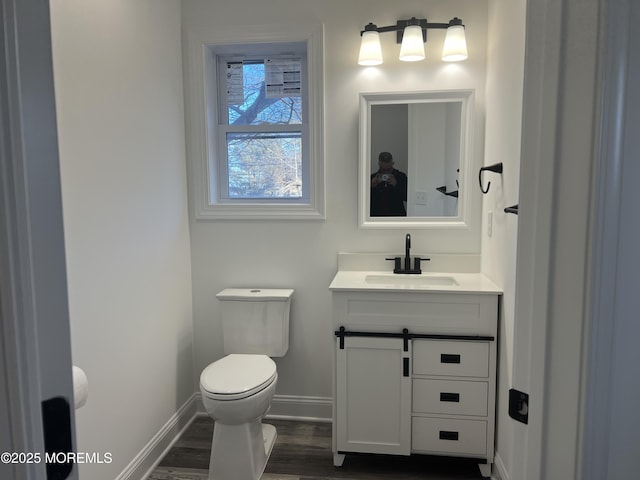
(236, 392)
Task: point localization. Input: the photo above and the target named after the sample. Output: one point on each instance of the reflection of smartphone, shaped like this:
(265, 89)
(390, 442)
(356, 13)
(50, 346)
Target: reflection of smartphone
(384, 177)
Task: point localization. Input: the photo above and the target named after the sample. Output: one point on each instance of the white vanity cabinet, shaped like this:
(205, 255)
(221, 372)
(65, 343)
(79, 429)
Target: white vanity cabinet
(415, 373)
(372, 377)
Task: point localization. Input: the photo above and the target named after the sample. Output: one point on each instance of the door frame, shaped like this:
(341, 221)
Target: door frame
(34, 319)
(611, 396)
(561, 115)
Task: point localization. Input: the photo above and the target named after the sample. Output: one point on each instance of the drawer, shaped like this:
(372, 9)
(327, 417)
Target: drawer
(453, 358)
(452, 397)
(451, 436)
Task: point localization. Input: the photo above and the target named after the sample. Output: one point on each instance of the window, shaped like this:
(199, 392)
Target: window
(261, 149)
(261, 156)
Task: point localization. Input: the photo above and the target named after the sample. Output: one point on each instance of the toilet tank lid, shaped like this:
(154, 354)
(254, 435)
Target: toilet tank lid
(255, 294)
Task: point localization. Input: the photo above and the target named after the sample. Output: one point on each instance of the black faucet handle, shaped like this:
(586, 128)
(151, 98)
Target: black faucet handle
(416, 263)
(397, 265)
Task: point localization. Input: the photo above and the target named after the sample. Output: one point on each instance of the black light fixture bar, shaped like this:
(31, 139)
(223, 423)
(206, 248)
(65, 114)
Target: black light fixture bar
(402, 24)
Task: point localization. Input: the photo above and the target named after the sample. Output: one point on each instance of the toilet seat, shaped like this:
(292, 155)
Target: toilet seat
(237, 376)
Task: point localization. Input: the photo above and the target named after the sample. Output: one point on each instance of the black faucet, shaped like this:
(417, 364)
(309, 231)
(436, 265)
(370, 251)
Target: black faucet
(407, 254)
(398, 267)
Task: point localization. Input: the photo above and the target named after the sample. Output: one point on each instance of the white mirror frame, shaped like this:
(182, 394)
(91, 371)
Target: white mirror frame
(467, 163)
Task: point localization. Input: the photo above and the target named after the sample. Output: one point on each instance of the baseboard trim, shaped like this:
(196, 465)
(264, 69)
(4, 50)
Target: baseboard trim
(501, 470)
(146, 461)
(293, 407)
(296, 407)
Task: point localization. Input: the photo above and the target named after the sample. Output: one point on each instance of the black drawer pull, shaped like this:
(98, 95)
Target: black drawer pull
(444, 435)
(449, 358)
(449, 397)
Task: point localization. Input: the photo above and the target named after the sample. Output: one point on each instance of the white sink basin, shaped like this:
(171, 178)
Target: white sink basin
(410, 280)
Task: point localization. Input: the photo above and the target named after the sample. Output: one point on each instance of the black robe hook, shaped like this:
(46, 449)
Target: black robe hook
(496, 168)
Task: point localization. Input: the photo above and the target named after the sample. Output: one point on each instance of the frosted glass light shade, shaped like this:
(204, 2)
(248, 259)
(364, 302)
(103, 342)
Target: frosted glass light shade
(412, 49)
(370, 50)
(455, 44)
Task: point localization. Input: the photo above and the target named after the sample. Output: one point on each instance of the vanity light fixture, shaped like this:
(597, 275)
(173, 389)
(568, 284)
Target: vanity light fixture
(412, 35)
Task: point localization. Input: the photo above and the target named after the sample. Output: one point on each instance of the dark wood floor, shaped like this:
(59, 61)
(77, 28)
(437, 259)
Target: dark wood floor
(303, 452)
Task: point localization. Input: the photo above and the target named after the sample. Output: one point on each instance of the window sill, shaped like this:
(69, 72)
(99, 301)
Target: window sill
(259, 212)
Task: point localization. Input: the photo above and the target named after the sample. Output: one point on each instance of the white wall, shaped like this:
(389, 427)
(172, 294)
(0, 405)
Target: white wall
(505, 67)
(303, 255)
(118, 79)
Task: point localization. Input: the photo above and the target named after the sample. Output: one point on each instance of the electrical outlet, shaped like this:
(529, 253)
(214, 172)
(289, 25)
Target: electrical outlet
(421, 198)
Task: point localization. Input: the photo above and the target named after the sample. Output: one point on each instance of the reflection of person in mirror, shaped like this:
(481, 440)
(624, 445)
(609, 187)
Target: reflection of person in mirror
(388, 189)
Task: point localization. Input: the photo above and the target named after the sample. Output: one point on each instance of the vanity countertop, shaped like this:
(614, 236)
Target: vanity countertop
(433, 282)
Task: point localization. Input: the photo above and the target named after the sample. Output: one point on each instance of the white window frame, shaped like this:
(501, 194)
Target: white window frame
(203, 146)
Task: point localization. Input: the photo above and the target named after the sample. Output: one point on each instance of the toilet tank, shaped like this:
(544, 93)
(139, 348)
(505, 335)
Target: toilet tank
(255, 320)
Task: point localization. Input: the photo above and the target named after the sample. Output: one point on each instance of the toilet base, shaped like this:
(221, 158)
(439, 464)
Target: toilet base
(269, 434)
(241, 452)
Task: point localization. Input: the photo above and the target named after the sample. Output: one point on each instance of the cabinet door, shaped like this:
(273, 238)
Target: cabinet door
(373, 396)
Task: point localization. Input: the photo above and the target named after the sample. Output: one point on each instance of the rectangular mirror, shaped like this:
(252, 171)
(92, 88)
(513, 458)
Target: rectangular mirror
(415, 159)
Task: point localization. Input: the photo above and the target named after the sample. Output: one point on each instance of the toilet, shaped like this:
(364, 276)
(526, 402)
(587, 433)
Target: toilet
(237, 389)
